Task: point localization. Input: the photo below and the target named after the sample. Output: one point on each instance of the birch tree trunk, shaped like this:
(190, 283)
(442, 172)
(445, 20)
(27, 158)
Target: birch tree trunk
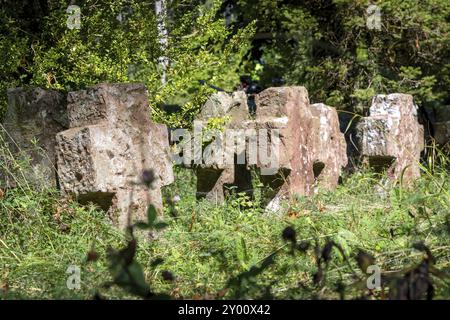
(161, 14)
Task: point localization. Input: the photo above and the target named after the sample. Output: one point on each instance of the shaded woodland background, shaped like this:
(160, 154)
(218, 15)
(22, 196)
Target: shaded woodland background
(324, 45)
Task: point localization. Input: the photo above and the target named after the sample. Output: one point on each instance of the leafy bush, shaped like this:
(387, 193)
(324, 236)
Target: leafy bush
(327, 46)
(107, 49)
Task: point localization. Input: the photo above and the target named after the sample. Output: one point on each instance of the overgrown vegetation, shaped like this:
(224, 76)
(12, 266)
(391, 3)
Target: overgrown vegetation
(312, 250)
(316, 248)
(323, 45)
(330, 47)
(118, 41)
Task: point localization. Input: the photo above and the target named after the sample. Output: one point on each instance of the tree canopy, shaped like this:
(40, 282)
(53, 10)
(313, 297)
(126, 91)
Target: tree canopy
(328, 46)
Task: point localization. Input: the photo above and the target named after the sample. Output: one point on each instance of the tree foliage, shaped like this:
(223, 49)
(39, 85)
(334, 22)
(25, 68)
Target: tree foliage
(118, 42)
(325, 45)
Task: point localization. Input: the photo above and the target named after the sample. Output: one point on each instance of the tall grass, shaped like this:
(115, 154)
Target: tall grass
(42, 233)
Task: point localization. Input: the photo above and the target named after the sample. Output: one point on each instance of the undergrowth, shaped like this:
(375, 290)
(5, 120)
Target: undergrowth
(312, 250)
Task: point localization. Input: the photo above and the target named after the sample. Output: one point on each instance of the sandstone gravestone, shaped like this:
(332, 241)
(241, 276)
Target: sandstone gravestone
(287, 110)
(303, 141)
(312, 148)
(110, 143)
(391, 138)
(329, 146)
(223, 104)
(217, 178)
(33, 114)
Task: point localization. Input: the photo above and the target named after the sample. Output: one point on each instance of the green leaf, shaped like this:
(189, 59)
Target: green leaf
(132, 278)
(142, 225)
(151, 214)
(160, 225)
(241, 251)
